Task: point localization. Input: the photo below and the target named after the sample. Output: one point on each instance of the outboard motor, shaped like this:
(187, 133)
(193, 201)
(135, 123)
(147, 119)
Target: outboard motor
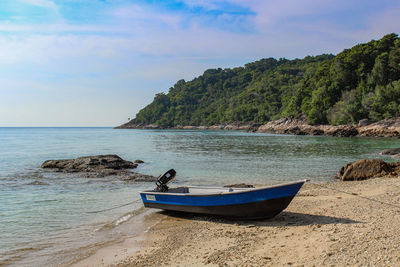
(163, 181)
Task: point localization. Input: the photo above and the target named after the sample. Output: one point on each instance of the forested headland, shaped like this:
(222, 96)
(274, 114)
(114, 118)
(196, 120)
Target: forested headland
(362, 82)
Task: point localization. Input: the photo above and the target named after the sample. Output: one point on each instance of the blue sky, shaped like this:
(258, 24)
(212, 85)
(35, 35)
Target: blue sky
(98, 62)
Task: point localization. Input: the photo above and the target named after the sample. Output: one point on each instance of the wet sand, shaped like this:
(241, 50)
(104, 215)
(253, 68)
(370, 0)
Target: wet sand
(114, 251)
(321, 227)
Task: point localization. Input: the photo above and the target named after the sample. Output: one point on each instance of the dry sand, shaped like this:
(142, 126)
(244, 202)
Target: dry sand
(321, 227)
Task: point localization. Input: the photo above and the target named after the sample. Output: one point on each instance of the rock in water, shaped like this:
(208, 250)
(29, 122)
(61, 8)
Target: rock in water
(394, 152)
(89, 164)
(36, 182)
(366, 169)
(99, 166)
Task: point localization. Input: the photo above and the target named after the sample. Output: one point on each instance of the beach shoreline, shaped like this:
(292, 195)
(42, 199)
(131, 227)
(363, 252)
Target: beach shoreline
(320, 227)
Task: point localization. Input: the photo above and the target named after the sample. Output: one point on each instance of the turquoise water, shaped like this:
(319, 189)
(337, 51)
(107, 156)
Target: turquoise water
(45, 219)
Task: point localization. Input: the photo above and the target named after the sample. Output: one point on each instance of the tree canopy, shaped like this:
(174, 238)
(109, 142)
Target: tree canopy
(360, 82)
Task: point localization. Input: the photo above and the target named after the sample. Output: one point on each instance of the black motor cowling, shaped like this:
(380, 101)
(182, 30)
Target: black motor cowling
(163, 180)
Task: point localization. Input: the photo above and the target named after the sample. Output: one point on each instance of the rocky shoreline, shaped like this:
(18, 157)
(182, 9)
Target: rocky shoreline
(288, 125)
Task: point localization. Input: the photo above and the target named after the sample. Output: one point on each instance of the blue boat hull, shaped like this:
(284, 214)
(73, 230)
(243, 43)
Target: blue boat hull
(246, 204)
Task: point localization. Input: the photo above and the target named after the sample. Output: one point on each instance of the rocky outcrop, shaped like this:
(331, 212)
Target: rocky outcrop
(138, 126)
(294, 126)
(339, 131)
(98, 166)
(288, 125)
(384, 128)
(242, 127)
(366, 169)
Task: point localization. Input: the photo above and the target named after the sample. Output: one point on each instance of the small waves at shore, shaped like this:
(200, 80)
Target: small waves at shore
(69, 246)
(124, 218)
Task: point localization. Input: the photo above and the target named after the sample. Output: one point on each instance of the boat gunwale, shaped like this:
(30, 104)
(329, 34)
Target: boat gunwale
(242, 190)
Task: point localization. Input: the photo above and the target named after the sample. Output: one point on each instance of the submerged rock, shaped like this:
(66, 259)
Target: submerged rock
(36, 182)
(366, 169)
(122, 175)
(394, 152)
(98, 166)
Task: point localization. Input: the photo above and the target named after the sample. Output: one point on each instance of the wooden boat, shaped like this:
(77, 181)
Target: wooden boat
(244, 203)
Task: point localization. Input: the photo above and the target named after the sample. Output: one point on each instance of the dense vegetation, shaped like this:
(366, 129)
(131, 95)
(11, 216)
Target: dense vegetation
(361, 82)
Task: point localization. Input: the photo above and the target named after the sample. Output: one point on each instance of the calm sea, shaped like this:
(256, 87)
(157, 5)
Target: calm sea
(46, 219)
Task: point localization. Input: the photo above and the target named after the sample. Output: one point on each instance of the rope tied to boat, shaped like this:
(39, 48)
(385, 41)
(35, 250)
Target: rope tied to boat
(161, 183)
(116, 207)
(357, 195)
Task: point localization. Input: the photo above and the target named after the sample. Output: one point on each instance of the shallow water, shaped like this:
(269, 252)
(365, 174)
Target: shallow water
(45, 217)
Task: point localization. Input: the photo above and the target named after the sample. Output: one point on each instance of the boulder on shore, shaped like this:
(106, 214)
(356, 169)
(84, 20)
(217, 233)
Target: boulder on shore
(366, 169)
(98, 166)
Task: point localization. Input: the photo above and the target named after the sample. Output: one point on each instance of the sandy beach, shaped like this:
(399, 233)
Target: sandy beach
(321, 227)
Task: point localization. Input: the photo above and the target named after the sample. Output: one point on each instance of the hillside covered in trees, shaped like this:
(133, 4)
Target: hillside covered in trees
(360, 82)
